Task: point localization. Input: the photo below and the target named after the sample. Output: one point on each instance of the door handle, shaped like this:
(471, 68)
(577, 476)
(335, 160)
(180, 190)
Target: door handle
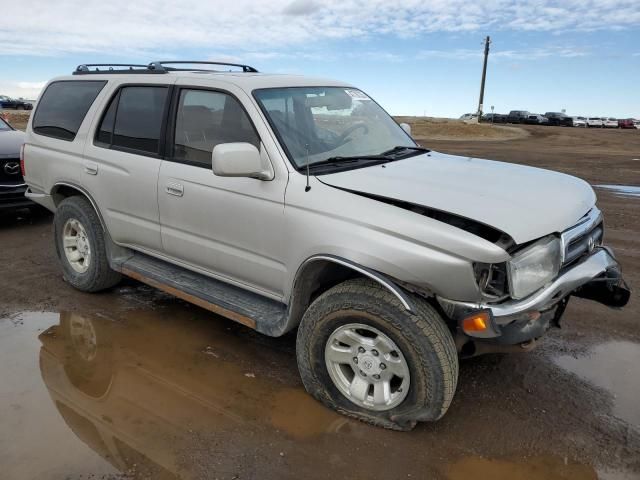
(174, 189)
(91, 168)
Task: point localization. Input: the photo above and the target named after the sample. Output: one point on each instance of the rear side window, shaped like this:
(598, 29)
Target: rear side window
(205, 119)
(133, 119)
(63, 107)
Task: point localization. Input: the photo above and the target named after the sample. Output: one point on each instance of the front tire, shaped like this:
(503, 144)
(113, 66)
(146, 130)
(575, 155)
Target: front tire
(360, 352)
(80, 245)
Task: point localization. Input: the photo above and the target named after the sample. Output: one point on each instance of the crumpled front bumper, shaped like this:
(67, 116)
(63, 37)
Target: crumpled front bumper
(596, 277)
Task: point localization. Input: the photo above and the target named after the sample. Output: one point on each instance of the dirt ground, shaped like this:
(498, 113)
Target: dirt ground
(451, 129)
(133, 383)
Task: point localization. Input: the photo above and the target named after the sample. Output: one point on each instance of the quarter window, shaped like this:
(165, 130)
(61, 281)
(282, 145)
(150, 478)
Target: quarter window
(133, 120)
(205, 119)
(63, 107)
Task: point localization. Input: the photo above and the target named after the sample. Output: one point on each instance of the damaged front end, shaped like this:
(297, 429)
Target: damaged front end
(505, 323)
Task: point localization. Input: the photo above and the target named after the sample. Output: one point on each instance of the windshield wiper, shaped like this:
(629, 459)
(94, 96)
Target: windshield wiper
(386, 156)
(338, 160)
(404, 148)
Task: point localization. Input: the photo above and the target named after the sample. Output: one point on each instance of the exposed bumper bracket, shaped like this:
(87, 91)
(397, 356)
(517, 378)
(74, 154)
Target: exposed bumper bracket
(610, 289)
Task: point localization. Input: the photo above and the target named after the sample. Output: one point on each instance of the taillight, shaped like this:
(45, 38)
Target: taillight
(22, 159)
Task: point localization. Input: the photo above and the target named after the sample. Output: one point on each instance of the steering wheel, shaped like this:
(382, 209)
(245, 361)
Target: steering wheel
(342, 139)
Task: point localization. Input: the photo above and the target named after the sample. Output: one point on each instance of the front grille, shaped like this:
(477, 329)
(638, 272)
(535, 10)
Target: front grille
(10, 171)
(584, 244)
(581, 239)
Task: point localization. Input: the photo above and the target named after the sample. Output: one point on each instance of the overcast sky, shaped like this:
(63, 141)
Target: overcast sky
(414, 57)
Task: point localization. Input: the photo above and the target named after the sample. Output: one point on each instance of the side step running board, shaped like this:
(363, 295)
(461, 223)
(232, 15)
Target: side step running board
(248, 308)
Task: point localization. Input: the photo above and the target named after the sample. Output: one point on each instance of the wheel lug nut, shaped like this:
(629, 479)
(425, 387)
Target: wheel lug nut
(377, 377)
(362, 373)
(361, 349)
(374, 352)
(382, 366)
(355, 359)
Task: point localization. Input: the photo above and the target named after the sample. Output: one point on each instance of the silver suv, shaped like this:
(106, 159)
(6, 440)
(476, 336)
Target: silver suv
(286, 202)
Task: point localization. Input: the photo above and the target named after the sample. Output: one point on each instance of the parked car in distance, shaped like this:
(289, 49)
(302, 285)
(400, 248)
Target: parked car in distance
(517, 116)
(594, 122)
(637, 124)
(536, 119)
(626, 123)
(286, 202)
(12, 185)
(559, 119)
(579, 121)
(12, 103)
(609, 122)
(494, 118)
(468, 116)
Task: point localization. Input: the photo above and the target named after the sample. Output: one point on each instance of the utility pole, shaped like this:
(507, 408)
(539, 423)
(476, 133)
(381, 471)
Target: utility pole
(487, 42)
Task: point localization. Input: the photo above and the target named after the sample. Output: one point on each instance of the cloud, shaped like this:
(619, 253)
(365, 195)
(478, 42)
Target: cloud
(301, 7)
(145, 27)
(28, 90)
(31, 85)
(527, 54)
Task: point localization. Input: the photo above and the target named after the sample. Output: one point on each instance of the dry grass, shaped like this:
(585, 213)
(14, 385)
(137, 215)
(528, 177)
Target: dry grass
(17, 119)
(428, 128)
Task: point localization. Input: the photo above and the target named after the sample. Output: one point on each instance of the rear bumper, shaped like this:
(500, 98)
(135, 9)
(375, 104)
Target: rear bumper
(41, 198)
(597, 278)
(13, 196)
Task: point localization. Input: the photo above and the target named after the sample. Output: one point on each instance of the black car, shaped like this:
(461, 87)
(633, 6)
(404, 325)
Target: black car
(559, 119)
(517, 116)
(493, 118)
(12, 103)
(12, 186)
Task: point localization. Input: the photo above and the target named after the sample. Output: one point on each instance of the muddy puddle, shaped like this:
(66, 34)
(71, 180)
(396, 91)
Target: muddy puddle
(613, 367)
(163, 395)
(622, 190)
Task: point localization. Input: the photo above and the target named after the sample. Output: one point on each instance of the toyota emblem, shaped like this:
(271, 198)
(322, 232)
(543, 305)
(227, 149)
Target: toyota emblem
(12, 168)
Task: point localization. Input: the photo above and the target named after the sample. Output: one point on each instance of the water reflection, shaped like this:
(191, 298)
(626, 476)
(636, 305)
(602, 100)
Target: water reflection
(622, 190)
(612, 366)
(141, 394)
(536, 468)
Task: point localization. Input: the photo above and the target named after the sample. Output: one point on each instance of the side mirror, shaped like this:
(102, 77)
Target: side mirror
(406, 127)
(240, 160)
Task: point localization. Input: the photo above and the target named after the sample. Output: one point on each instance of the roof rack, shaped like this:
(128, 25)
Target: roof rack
(163, 65)
(100, 68)
(153, 67)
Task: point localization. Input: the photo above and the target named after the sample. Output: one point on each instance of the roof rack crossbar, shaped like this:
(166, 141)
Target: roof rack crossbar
(153, 67)
(162, 65)
(106, 68)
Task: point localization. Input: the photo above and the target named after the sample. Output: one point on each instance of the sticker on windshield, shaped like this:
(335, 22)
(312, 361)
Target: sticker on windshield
(357, 94)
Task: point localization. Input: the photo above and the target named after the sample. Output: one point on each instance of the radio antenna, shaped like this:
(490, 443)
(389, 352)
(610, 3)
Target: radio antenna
(308, 187)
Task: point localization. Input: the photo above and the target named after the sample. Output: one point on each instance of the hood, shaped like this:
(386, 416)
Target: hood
(10, 143)
(524, 202)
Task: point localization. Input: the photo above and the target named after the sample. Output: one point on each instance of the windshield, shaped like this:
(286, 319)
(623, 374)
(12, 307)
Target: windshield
(320, 123)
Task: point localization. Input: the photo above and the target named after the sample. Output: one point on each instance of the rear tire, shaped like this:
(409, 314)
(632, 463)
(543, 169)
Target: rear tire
(80, 245)
(370, 313)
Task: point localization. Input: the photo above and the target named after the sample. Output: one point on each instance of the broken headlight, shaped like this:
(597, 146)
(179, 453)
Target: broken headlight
(492, 280)
(533, 267)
